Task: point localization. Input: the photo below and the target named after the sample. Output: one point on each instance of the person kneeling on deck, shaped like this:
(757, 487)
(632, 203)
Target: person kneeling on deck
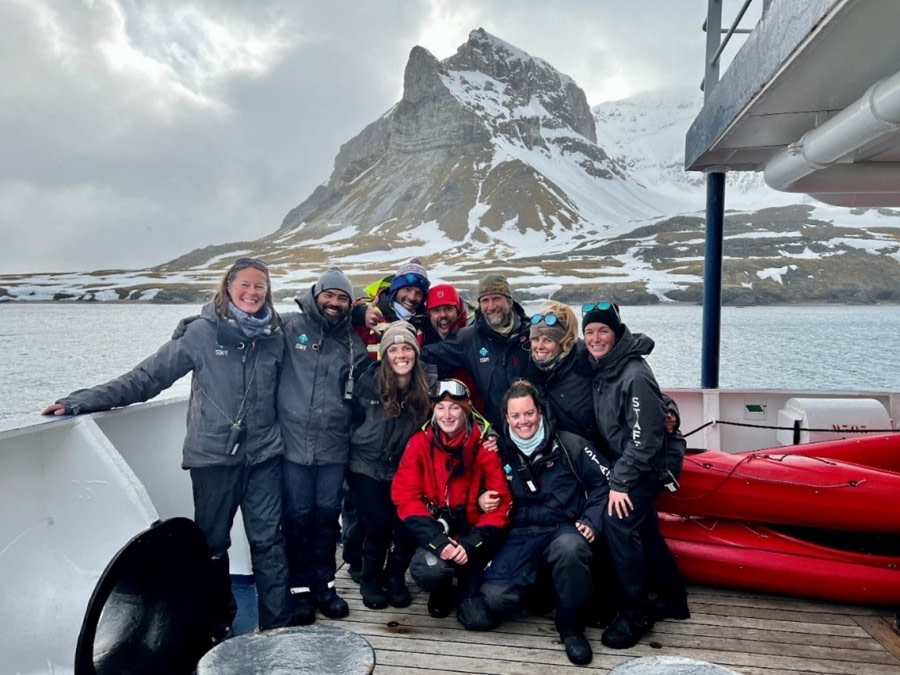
(559, 484)
(436, 488)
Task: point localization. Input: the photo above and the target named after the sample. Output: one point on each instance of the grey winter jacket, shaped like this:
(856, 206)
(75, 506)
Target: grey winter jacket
(376, 443)
(312, 410)
(630, 410)
(231, 374)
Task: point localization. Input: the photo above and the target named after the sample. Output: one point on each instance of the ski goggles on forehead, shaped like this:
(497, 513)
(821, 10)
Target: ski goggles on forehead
(452, 388)
(598, 305)
(251, 262)
(550, 319)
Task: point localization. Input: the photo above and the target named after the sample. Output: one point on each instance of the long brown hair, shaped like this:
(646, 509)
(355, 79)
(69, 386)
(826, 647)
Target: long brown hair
(222, 298)
(415, 400)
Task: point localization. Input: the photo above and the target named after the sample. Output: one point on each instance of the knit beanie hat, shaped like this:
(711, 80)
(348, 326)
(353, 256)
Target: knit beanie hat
(608, 315)
(494, 284)
(333, 279)
(442, 294)
(398, 332)
(410, 274)
(556, 332)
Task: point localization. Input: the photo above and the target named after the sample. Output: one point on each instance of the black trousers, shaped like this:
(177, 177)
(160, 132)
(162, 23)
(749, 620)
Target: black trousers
(640, 556)
(516, 568)
(312, 507)
(384, 531)
(218, 492)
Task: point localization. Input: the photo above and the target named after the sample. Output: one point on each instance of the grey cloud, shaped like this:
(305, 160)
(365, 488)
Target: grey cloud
(106, 165)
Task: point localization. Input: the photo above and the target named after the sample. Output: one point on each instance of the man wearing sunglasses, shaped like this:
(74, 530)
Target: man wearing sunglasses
(494, 349)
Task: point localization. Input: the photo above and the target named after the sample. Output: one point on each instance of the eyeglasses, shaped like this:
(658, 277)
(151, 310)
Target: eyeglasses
(251, 262)
(602, 306)
(452, 388)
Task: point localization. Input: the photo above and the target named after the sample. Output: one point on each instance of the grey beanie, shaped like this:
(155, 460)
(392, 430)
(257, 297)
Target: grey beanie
(333, 279)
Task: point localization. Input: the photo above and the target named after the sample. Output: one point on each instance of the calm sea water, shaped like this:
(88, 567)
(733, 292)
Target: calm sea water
(49, 350)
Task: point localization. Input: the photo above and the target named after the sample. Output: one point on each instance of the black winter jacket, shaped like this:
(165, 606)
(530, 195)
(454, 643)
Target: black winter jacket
(569, 477)
(376, 443)
(494, 360)
(631, 412)
(568, 389)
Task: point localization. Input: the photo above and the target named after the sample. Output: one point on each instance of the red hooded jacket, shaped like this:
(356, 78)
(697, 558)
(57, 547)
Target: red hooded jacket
(429, 475)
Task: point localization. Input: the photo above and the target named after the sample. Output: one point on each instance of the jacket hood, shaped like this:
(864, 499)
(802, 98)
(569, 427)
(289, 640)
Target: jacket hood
(307, 303)
(631, 345)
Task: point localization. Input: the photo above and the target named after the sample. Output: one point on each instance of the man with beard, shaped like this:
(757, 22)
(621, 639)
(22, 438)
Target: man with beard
(399, 297)
(494, 349)
(447, 314)
(314, 395)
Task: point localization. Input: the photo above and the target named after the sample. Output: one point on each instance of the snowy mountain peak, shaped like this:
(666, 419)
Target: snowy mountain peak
(493, 159)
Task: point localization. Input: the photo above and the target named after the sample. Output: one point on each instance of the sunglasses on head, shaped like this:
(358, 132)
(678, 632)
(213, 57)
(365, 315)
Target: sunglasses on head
(452, 388)
(550, 319)
(598, 305)
(251, 262)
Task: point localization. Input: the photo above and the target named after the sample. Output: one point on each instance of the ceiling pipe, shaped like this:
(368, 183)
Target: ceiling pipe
(872, 117)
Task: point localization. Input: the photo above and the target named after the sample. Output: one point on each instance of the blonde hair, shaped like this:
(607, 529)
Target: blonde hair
(567, 320)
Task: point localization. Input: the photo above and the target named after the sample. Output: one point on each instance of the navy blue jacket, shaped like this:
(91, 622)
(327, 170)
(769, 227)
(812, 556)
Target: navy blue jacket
(494, 360)
(569, 477)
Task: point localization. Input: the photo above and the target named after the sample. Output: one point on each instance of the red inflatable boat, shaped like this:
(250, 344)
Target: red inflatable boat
(757, 557)
(776, 486)
(880, 451)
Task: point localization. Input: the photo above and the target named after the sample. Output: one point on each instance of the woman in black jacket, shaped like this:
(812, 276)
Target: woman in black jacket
(390, 403)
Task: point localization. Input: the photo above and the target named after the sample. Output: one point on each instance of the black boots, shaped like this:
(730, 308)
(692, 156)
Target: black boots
(663, 608)
(578, 649)
(370, 588)
(397, 591)
(441, 601)
(627, 630)
(302, 611)
(331, 604)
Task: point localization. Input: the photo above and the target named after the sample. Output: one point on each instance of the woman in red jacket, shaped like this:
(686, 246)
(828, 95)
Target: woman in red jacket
(443, 471)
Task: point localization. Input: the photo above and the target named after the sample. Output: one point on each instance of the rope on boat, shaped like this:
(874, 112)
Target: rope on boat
(796, 428)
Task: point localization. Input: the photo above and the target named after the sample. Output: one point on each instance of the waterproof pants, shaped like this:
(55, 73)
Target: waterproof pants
(312, 506)
(218, 492)
(640, 556)
(431, 573)
(514, 572)
(351, 530)
(384, 531)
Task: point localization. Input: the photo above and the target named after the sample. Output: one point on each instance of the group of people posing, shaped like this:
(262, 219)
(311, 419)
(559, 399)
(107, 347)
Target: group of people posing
(503, 461)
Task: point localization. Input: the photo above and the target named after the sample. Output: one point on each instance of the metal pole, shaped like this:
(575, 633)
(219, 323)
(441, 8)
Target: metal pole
(712, 280)
(715, 217)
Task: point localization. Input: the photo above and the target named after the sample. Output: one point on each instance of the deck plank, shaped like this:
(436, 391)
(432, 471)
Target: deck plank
(751, 633)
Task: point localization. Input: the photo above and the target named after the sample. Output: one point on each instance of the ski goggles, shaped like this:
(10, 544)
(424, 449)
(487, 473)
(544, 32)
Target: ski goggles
(550, 319)
(602, 306)
(455, 389)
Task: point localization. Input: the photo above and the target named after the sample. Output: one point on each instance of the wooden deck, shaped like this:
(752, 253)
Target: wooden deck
(746, 632)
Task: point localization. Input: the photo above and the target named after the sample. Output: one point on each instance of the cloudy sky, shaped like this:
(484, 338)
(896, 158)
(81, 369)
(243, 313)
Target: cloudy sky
(134, 131)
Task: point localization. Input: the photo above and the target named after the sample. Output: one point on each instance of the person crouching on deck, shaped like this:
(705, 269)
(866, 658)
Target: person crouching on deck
(559, 485)
(436, 488)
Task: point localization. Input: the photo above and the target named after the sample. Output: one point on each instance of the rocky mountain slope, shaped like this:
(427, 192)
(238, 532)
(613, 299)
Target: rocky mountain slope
(493, 160)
